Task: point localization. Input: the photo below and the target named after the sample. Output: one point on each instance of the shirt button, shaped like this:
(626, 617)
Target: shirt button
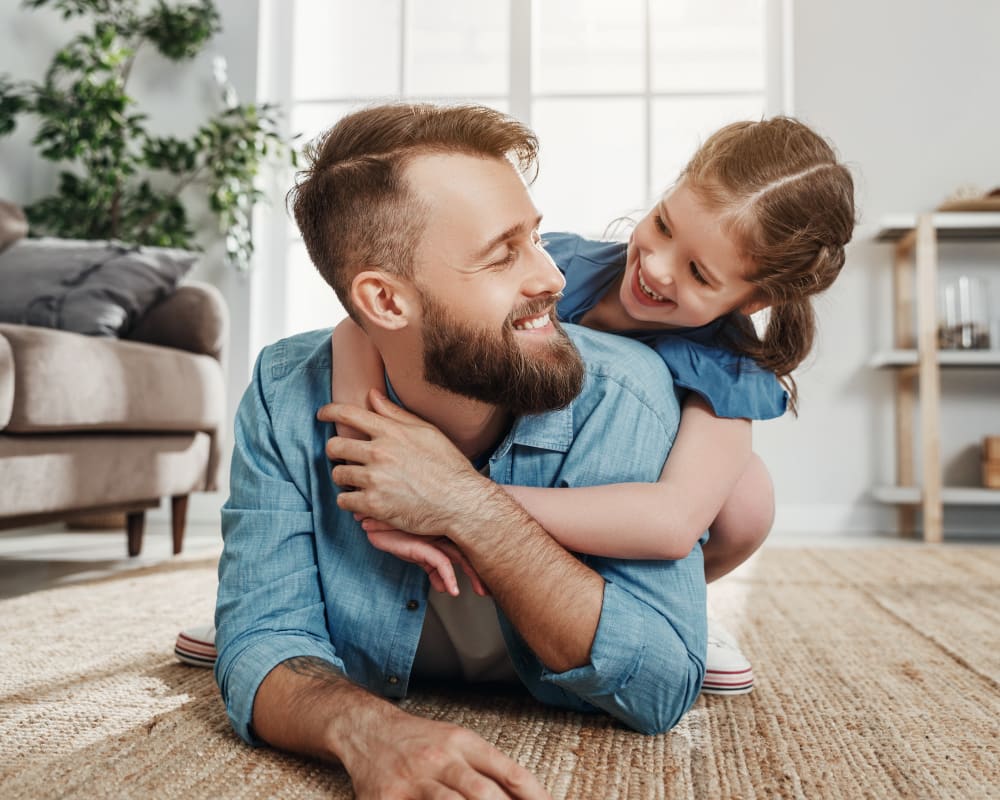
(393, 680)
(413, 605)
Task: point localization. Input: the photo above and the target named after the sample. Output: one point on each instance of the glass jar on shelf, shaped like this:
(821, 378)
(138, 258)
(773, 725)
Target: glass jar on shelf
(965, 319)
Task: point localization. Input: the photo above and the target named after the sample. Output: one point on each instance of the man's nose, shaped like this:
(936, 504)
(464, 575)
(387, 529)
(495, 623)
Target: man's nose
(544, 276)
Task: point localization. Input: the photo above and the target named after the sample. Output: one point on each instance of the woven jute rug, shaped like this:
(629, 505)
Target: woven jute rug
(877, 676)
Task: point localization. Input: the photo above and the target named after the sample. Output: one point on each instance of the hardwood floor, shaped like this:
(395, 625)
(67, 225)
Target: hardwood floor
(44, 557)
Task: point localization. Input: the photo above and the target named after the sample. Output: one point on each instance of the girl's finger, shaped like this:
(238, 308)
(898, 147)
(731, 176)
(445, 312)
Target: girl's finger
(459, 558)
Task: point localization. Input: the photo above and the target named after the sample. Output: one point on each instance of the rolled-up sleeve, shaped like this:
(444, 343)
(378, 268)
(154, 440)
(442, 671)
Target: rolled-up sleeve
(647, 661)
(270, 605)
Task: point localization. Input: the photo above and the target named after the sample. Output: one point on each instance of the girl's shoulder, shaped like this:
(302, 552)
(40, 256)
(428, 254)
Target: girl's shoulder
(702, 360)
(589, 266)
(570, 250)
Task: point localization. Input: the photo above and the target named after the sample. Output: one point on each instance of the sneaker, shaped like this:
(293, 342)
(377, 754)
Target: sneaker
(727, 670)
(196, 646)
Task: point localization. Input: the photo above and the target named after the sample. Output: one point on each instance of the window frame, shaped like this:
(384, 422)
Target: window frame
(274, 229)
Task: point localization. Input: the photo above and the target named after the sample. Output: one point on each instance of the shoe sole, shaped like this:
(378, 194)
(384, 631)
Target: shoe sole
(728, 690)
(195, 652)
(728, 681)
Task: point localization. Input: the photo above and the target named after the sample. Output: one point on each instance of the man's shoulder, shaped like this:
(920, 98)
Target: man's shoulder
(303, 351)
(629, 365)
(297, 365)
(609, 355)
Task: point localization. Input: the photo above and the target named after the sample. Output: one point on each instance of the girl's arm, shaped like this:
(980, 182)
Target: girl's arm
(659, 520)
(357, 367)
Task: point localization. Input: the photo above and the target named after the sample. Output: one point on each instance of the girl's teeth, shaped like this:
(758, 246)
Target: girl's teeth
(649, 292)
(531, 324)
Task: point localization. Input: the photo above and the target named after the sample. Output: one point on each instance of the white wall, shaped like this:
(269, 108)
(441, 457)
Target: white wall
(908, 92)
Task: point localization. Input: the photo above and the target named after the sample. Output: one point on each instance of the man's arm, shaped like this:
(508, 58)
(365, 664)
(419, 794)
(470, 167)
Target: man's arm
(552, 598)
(624, 636)
(307, 706)
(280, 675)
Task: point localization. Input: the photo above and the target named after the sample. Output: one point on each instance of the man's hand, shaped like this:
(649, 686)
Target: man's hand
(416, 758)
(307, 705)
(408, 474)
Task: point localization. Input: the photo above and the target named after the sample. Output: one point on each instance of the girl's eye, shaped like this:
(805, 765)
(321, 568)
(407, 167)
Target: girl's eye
(697, 274)
(661, 226)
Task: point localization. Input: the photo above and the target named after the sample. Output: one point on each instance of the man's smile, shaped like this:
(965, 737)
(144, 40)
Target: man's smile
(543, 320)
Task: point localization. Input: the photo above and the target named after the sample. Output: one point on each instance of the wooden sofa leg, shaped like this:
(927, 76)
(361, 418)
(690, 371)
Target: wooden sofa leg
(135, 522)
(178, 519)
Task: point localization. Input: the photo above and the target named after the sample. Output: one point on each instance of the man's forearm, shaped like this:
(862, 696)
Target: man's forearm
(552, 599)
(306, 705)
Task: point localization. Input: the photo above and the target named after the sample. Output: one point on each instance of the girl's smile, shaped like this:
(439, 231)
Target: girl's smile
(684, 268)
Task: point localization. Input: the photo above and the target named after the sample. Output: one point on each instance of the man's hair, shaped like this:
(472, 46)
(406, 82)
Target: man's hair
(352, 203)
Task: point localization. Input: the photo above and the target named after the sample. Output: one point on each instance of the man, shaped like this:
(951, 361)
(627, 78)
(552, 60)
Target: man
(422, 223)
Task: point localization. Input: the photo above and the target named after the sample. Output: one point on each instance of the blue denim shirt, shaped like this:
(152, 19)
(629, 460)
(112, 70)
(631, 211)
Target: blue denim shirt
(298, 577)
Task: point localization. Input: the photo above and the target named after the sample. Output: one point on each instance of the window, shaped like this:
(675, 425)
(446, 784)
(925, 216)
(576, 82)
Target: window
(619, 93)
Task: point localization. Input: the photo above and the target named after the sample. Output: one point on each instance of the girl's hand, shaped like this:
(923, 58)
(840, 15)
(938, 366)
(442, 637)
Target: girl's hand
(434, 556)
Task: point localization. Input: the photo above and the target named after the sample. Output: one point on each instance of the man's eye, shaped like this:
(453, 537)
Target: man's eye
(506, 261)
(661, 226)
(697, 274)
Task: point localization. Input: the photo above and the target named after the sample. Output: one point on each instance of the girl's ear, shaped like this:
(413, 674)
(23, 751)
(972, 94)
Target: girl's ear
(381, 300)
(753, 306)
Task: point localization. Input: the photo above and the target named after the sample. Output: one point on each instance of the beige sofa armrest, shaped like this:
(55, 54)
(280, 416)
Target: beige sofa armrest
(194, 318)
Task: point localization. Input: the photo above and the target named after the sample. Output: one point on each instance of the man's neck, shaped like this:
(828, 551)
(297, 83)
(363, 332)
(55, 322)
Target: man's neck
(471, 425)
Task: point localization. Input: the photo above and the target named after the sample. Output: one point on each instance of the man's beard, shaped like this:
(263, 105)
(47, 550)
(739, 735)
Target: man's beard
(489, 365)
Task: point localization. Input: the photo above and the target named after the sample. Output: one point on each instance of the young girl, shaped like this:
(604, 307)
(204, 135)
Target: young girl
(757, 220)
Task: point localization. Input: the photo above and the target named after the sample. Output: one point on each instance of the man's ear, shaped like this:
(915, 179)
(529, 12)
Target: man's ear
(381, 299)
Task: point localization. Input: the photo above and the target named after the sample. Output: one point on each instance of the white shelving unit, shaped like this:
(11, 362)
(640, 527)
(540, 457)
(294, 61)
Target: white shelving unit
(918, 363)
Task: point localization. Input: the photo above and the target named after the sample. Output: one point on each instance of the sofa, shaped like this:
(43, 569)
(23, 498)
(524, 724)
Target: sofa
(101, 423)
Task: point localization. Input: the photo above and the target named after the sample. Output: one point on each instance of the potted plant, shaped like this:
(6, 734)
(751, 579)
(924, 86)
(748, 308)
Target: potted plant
(119, 180)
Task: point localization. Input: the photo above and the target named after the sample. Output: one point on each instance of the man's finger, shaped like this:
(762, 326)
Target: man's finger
(359, 418)
(386, 408)
(350, 475)
(372, 525)
(340, 449)
(469, 782)
(516, 780)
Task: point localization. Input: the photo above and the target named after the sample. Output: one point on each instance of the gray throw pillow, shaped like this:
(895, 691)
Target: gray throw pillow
(97, 288)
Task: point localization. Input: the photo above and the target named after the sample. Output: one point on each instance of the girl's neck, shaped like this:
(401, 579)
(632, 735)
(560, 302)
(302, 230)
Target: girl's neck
(607, 314)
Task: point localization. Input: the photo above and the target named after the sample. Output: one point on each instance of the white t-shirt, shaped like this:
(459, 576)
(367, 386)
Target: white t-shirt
(461, 639)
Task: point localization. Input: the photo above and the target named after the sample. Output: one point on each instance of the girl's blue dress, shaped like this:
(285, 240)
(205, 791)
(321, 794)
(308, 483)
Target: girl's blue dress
(698, 358)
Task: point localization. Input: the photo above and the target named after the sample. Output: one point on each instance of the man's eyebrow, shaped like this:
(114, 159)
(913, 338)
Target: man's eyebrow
(706, 271)
(518, 229)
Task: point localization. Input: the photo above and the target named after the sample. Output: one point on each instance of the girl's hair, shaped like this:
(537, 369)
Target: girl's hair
(790, 205)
